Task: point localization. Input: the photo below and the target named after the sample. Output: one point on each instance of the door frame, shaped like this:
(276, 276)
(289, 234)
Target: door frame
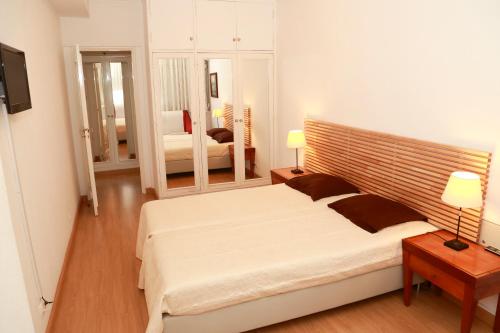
(141, 124)
(114, 162)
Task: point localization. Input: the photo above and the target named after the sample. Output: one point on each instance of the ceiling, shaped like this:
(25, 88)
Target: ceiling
(79, 8)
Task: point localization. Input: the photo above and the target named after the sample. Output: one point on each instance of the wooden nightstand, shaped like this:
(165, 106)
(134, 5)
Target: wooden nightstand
(279, 176)
(249, 156)
(468, 275)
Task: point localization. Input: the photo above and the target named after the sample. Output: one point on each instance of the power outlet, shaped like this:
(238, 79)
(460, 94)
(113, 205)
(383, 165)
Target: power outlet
(41, 306)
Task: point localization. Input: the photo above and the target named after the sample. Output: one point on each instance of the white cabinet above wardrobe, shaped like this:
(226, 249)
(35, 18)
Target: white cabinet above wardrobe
(171, 24)
(235, 25)
(211, 25)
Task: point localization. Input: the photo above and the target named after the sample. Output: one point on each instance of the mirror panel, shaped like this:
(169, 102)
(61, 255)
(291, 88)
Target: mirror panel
(96, 105)
(219, 115)
(123, 110)
(255, 88)
(175, 122)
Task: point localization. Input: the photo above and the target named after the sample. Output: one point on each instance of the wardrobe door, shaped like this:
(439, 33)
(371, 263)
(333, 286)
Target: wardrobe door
(217, 107)
(176, 122)
(216, 25)
(171, 24)
(255, 26)
(256, 114)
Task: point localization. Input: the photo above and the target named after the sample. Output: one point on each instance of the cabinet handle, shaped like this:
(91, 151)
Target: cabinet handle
(235, 39)
(191, 38)
(239, 39)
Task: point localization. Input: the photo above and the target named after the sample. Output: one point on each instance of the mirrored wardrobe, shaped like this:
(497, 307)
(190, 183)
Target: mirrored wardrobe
(214, 116)
(110, 106)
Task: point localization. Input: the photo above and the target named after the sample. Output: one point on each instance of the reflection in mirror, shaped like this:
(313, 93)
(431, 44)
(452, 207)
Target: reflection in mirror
(255, 94)
(94, 94)
(219, 115)
(123, 110)
(176, 123)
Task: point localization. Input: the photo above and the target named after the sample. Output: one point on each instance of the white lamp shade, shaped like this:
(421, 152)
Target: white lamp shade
(296, 139)
(217, 113)
(463, 190)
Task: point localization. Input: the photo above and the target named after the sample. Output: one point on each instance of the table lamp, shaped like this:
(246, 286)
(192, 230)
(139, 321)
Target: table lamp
(463, 191)
(217, 113)
(296, 140)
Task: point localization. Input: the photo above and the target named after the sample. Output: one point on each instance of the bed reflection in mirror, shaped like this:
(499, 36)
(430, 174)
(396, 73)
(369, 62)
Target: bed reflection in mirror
(220, 134)
(175, 122)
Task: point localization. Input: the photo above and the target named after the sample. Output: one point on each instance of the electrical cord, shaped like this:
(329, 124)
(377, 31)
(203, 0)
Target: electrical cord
(434, 233)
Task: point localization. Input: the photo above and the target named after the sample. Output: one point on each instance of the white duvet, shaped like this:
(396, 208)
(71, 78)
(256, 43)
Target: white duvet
(180, 147)
(270, 240)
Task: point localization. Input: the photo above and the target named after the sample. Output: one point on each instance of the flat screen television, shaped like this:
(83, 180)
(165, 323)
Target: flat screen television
(14, 86)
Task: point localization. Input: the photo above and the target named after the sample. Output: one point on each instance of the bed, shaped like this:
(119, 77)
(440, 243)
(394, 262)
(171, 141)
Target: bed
(272, 254)
(178, 145)
(179, 153)
(121, 129)
(262, 250)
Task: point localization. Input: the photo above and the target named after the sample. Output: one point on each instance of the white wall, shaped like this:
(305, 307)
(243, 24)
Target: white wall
(424, 69)
(111, 25)
(15, 303)
(43, 144)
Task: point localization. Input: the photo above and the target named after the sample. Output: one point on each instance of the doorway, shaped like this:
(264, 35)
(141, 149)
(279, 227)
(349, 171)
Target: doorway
(109, 95)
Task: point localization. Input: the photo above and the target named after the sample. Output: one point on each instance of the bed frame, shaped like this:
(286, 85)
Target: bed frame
(412, 171)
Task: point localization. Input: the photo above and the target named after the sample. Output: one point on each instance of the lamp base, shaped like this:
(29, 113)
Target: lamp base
(297, 171)
(456, 245)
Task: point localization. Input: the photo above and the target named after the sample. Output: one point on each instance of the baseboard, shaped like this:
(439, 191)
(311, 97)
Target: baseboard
(152, 191)
(67, 255)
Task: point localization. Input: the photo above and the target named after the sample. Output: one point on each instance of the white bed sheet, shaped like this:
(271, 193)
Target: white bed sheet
(180, 147)
(273, 240)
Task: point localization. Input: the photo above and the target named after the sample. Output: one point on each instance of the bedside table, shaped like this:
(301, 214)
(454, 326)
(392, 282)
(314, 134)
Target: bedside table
(468, 275)
(279, 176)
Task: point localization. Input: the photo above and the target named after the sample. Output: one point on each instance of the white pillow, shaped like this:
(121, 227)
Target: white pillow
(172, 122)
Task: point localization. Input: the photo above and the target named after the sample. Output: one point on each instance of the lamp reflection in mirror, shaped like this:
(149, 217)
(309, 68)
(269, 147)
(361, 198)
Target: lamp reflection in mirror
(463, 191)
(217, 113)
(296, 140)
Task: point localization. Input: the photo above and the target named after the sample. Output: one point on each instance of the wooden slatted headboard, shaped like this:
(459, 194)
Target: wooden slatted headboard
(411, 171)
(247, 119)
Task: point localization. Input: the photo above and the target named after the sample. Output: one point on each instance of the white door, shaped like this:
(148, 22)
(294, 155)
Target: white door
(255, 26)
(216, 28)
(176, 124)
(86, 130)
(171, 24)
(255, 114)
(220, 153)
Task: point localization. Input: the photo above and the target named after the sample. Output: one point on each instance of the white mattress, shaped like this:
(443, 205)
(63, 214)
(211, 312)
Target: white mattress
(180, 147)
(270, 240)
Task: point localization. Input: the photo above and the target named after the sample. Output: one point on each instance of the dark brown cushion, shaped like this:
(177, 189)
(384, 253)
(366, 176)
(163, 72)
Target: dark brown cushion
(373, 213)
(320, 185)
(213, 131)
(223, 137)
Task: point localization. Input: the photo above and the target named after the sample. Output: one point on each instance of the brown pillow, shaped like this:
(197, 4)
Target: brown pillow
(374, 213)
(213, 131)
(320, 185)
(223, 137)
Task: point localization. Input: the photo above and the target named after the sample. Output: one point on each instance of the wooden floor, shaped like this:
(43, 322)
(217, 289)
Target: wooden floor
(99, 289)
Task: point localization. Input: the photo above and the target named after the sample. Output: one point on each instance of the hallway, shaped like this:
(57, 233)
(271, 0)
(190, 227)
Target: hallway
(99, 292)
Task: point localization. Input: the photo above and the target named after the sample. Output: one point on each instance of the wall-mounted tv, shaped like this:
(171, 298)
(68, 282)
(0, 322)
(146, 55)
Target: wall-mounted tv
(14, 86)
